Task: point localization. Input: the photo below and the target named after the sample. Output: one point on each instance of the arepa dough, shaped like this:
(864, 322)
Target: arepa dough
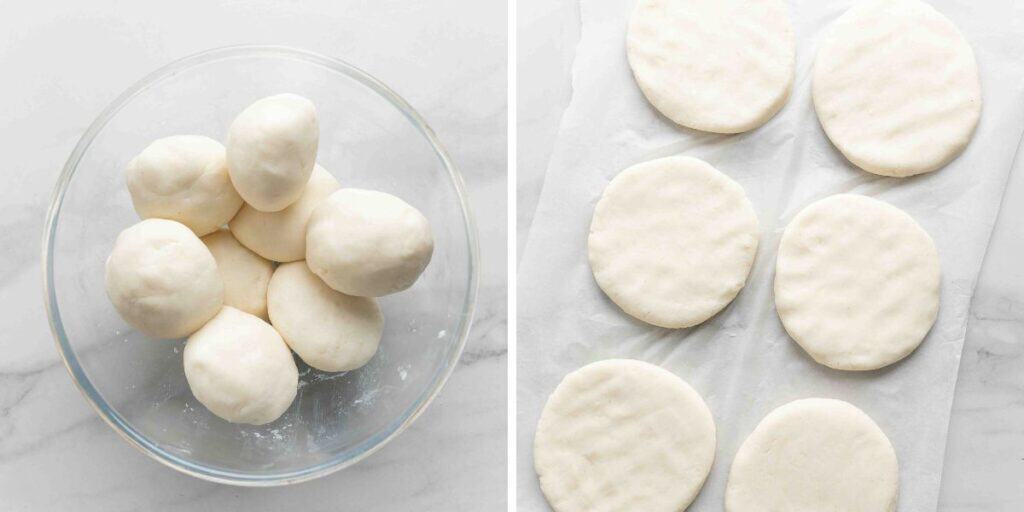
(896, 87)
(857, 282)
(622, 436)
(672, 241)
(723, 66)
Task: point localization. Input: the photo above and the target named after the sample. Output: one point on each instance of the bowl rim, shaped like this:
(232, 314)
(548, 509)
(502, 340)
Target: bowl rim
(112, 417)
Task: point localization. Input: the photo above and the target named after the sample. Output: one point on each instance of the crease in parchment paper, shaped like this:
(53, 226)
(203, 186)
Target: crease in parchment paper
(741, 360)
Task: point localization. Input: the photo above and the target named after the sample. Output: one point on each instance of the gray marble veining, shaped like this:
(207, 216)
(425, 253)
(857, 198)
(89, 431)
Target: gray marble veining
(63, 62)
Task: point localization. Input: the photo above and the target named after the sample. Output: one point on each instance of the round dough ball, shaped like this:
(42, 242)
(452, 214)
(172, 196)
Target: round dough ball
(856, 282)
(813, 455)
(623, 435)
(367, 243)
(162, 279)
(723, 66)
(896, 87)
(245, 274)
(281, 236)
(329, 330)
(183, 178)
(271, 150)
(672, 241)
(240, 369)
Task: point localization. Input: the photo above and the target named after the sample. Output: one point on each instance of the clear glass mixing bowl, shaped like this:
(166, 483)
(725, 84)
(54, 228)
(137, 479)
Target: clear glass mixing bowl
(369, 138)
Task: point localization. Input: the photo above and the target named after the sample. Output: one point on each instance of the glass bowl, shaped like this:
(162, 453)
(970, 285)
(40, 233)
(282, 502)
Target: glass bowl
(369, 138)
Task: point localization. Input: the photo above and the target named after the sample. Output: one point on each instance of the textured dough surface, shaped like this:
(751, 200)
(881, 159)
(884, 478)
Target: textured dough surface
(622, 436)
(183, 178)
(672, 241)
(281, 236)
(856, 282)
(367, 243)
(162, 279)
(814, 455)
(329, 330)
(723, 66)
(240, 369)
(245, 273)
(896, 87)
(271, 150)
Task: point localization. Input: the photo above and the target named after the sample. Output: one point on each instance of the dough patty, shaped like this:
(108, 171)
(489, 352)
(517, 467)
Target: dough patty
(856, 282)
(672, 241)
(623, 436)
(896, 87)
(814, 455)
(723, 66)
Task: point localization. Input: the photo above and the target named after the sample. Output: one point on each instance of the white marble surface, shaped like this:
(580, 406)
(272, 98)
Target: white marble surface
(984, 467)
(62, 62)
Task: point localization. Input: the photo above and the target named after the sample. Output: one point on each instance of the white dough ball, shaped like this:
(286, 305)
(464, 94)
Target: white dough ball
(281, 236)
(240, 369)
(271, 150)
(329, 330)
(814, 455)
(245, 274)
(367, 243)
(183, 178)
(162, 279)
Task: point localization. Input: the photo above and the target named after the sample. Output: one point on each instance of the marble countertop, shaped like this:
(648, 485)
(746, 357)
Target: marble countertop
(63, 62)
(984, 464)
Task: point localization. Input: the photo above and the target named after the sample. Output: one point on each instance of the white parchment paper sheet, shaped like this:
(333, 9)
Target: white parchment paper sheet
(742, 361)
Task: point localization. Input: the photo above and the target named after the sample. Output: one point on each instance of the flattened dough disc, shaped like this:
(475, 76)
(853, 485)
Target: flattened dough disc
(814, 455)
(623, 436)
(672, 241)
(856, 282)
(896, 87)
(723, 66)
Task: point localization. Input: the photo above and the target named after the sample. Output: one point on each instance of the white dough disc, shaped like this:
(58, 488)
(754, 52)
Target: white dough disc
(245, 274)
(367, 243)
(183, 178)
(672, 241)
(162, 279)
(329, 330)
(856, 282)
(240, 369)
(896, 87)
(623, 436)
(281, 236)
(814, 455)
(723, 66)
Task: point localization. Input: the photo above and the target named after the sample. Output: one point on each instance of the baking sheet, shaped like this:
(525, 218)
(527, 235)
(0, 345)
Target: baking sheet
(741, 361)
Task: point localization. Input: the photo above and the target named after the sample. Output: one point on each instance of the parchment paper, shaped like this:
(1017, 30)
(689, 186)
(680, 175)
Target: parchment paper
(742, 361)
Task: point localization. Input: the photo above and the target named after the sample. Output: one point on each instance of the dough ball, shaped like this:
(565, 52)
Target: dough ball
(813, 455)
(245, 274)
(856, 282)
(367, 243)
(896, 87)
(672, 241)
(183, 178)
(240, 369)
(162, 279)
(723, 66)
(329, 330)
(623, 436)
(271, 150)
(281, 236)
